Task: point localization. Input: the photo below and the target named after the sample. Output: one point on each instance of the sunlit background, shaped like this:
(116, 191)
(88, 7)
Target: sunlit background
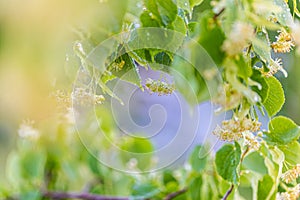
(34, 38)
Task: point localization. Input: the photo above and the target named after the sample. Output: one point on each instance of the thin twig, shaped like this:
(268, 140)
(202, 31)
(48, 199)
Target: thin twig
(244, 154)
(218, 14)
(84, 196)
(228, 192)
(175, 194)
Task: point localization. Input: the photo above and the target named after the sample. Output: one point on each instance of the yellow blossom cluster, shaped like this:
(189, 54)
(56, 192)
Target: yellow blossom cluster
(291, 194)
(274, 66)
(83, 97)
(238, 39)
(117, 66)
(251, 140)
(27, 131)
(284, 42)
(159, 87)
(62, 98)
(230, 99)
(292, 174)
(235, 129)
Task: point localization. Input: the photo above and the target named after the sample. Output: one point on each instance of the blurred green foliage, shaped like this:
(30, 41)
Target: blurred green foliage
(41, 51)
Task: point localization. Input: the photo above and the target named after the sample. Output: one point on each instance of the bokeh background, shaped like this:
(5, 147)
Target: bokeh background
(34, 38)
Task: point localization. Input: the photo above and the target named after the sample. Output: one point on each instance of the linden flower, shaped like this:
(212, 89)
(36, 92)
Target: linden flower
(27, 131)
(230, 99)
(239, 37)
(117, 66)
(61, 98)
(292, 174)
(274, 66)
(160, 87)
(292, 194)
(251, 140)
(227, 135)
(284, 42)
(235, 129)
(83, 97)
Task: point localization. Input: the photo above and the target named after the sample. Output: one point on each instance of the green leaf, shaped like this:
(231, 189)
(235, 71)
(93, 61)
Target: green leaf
(291, 152)
(163, 58)
(167, 10)
(138, 148)
(93, 164)
(274, 158)
(134, 8)
(107, 90)
(111, 13)
(275, 98)
(148, 20)
(211, 37)
(189, 82)
(274, 163)
(246, 193)
(129, 71)
(282, 130)
(182, 196)
(227, 162)
(137, 145)
(264, 90)
(231, 15)
(168, 177)
(161, 13)
(244, 68)
(262, 47)
(33, 164)
(197, 160)
(14, 169)
(236, 83)
(179, 25)
(264, 187)
(296, 11)
(258, 20)
(184, 4)
(255, 162)
(284, 16)
(171, 187)
(155, 39)
(277, 155)
(194, 190)
(152, 7)
(142, 56)
(145, 191)
(194, 3)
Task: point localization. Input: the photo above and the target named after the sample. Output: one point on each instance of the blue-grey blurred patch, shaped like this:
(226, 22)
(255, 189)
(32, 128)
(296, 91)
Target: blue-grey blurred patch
(174, 126)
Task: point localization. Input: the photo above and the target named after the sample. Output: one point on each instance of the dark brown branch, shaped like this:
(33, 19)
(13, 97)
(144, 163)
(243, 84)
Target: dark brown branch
(228, 192)
(175, 194)
(84, 196)
(218, 14)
